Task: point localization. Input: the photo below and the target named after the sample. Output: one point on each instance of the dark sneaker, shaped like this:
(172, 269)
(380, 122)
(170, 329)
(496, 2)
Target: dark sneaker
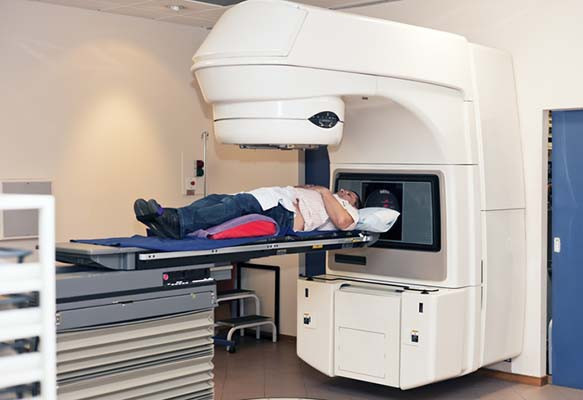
(163, 222)
(143, 212)
(147, 216)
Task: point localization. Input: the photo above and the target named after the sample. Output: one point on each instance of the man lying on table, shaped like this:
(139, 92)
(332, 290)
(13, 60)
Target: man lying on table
(301, 208)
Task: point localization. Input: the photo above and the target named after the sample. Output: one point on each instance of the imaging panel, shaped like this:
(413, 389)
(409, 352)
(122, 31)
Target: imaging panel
(415, 196)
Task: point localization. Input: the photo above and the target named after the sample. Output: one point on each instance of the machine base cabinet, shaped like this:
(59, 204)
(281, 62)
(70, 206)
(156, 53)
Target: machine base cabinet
(366, 329)
(383, 334)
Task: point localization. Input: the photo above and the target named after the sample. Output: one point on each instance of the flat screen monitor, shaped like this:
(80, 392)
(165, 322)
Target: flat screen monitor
(415, 196)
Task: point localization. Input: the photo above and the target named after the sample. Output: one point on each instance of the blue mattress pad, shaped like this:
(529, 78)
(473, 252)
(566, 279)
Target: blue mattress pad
(194, 244)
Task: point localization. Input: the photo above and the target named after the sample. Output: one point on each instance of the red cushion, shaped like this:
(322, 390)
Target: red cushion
(248, 229)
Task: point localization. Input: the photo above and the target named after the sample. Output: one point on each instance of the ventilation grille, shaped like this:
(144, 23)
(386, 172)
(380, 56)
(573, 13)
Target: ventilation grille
(164, 358)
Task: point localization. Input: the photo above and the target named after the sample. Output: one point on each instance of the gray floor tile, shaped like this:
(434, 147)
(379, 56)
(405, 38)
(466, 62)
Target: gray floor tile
(220, 377)
(286, 389)
(249, 375)
(569, 393)
(313, 377)
(277, 376)
(326, 392)
(284, 367)
(363, 390)
(243, 388)
(465, 388)
(502, 394)
(219, 390)
(549, 392)
(220, 367)
(244, 365)
(280, 384)
(264, 369)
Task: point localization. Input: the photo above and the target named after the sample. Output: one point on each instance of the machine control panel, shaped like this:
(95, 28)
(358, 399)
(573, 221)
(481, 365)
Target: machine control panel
(308, 320)
(185, 278)
(325, 119)
(414, 336)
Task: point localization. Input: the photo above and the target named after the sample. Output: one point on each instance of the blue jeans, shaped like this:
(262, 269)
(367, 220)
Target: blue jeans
(218, 208)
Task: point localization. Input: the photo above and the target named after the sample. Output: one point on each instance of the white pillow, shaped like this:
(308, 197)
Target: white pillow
(376, 219)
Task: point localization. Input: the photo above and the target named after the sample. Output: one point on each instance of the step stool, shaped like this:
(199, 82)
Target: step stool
(244, 321)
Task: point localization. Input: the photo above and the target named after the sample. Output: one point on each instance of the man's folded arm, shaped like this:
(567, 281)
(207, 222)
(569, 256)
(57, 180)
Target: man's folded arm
(338, 214)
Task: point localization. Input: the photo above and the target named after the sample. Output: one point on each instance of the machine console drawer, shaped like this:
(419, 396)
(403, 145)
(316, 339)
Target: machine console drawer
(367, 333)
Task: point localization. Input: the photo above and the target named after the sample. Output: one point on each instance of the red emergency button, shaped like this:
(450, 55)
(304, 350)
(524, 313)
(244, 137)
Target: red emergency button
(165, 277)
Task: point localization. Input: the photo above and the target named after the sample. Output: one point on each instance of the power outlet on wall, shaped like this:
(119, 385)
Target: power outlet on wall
(190, 185)
(188, 175)
(192, 175)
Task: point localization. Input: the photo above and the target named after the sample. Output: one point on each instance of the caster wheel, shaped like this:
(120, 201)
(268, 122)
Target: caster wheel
(231, 349)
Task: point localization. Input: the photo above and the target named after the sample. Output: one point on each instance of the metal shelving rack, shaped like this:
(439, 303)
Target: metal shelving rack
(37, 322)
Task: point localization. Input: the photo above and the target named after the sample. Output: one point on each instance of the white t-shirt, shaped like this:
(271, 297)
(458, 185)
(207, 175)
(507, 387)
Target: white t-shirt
(270, 197)
(310, 203)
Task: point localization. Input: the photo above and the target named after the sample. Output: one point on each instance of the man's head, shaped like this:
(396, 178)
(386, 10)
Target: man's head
(352, 197)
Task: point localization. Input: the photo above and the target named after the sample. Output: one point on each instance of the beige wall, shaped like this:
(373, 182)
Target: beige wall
(544, 39)
(105, 106)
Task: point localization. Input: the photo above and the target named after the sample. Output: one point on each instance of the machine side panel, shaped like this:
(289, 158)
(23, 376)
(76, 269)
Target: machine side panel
(434, 328)
(502, 164)
(338, 41)
(282, 20)
(504, 285)
(413, 123)
(399, 50)
(231, 89)
(105, 314)
(315, 324)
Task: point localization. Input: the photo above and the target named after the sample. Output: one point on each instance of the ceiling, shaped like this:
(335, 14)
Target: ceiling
(187, 12)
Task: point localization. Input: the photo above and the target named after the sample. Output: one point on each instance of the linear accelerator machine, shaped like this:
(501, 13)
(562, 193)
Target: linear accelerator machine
(423, 114)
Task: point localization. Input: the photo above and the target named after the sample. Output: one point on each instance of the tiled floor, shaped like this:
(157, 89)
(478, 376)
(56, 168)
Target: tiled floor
(264, 369)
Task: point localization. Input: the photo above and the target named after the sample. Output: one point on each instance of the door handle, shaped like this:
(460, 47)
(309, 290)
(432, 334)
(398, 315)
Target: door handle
(557, 245)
